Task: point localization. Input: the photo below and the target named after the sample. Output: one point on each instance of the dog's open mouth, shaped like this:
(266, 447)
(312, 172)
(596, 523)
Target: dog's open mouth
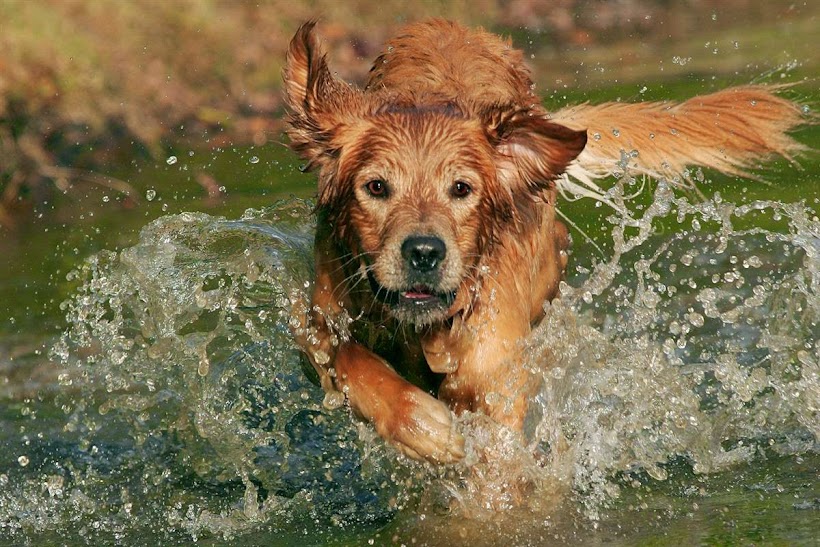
(421, 295)
(415, 299)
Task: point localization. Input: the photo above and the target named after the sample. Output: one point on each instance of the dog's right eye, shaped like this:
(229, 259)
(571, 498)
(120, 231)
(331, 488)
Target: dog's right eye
(461, 189)
(377, 188)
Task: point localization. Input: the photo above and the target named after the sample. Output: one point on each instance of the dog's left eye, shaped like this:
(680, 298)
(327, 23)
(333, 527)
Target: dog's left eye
(377, 188)
(461, 189)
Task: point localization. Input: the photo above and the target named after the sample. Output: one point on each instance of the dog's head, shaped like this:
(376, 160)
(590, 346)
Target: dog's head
(419, 189)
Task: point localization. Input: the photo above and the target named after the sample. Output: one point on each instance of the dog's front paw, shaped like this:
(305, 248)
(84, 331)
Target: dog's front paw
(415, 422)
(423, 428)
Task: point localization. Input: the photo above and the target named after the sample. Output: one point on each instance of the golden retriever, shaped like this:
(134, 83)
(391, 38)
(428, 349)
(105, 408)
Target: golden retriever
(437, 241)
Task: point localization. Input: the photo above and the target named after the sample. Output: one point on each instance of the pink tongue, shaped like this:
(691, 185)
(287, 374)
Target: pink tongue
(416, 294)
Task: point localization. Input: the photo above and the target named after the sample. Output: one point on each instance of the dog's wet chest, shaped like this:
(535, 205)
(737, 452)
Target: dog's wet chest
(400, 346)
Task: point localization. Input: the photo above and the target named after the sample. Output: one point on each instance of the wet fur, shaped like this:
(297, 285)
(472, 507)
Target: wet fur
(445, 104)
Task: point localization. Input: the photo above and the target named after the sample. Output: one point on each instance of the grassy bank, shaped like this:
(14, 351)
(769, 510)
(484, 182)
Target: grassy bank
(85, 85)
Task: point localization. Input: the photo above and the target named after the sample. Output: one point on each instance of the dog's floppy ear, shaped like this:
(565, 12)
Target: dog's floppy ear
(532, 151)
(318, 102)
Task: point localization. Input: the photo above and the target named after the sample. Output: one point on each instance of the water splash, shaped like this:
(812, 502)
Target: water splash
(183, 342)
(700, 344)
(696, 340)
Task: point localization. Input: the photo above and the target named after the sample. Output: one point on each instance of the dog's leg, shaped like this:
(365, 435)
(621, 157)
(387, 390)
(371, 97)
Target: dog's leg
(314, 326)
(416, 423)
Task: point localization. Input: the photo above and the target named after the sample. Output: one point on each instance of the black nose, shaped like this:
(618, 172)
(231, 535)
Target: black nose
(423, 253)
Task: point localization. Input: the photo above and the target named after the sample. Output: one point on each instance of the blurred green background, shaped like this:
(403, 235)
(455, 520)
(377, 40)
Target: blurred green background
(89, 87)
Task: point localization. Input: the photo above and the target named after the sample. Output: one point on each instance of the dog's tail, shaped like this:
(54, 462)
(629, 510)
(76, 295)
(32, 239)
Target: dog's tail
(729, 131)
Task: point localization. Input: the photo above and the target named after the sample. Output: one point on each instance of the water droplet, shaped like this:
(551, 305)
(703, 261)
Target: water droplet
(695, 319)
(23, 460)
(171, 160)
(150, 194)
(333, 400)
(616, 132)
(753, 262)
(596, 136)
(106, 199)
(731, 277)
(254, 160)
(321, 357)
(54, 485)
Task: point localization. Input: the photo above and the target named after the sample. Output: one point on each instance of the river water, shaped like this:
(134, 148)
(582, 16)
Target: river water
(680, 401)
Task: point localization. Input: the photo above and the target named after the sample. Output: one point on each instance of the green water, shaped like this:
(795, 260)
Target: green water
(71, 473)
(89, 218)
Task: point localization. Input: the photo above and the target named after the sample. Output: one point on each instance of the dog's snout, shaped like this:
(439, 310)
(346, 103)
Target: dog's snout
(423, 253)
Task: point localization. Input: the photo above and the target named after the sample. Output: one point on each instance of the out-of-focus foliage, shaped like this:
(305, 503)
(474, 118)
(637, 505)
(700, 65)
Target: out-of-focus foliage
(83, 83)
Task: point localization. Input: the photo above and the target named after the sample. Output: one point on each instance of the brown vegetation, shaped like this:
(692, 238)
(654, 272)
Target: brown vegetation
(87, 83)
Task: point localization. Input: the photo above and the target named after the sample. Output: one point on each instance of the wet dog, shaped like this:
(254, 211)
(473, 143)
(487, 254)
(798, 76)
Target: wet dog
(437, 241)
